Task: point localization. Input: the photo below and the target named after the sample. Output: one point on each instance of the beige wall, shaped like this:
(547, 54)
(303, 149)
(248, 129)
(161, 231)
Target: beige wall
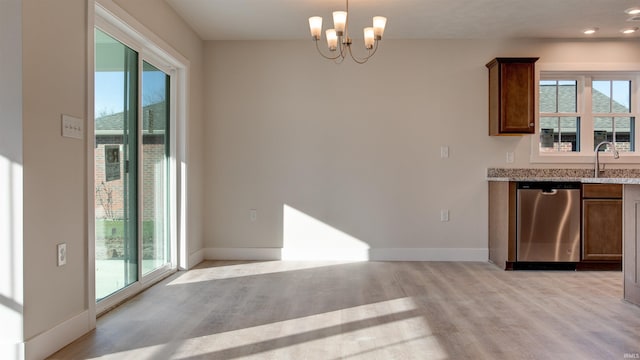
(54, 83)
(358, 147)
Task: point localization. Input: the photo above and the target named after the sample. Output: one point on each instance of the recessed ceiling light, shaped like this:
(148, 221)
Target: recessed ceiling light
(590, 31)
(629, 30)
(633, 11)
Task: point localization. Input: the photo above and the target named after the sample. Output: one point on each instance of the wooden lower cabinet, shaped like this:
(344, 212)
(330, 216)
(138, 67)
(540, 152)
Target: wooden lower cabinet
(602, 229)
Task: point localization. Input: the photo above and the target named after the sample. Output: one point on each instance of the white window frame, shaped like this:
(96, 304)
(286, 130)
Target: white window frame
(584, 74)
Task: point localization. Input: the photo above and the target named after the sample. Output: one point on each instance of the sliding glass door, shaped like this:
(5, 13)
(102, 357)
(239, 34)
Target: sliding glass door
(116, 98)
(155, 168)
(131, 166)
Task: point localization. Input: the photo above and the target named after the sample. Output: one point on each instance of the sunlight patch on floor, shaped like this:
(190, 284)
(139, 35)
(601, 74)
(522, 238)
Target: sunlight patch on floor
(248, 268)
(388, 329)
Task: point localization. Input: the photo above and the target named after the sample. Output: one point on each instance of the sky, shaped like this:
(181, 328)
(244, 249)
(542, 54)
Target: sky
(109, 90)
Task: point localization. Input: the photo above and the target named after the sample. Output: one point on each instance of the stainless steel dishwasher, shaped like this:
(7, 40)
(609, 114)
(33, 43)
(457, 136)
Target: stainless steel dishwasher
(548, 222)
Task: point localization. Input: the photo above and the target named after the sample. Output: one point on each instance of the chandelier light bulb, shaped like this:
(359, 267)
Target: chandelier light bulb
(315, 26)
(633, 11)
(339, 21)
(368, 38)
(379, 22)
(332, 39)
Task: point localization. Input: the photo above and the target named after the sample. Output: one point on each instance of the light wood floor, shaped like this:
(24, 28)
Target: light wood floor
(369, 310)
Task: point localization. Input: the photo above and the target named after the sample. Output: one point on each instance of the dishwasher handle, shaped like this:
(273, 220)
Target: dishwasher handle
(549, 192)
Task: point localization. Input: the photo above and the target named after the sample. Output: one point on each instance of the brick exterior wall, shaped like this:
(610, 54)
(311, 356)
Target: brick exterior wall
(109, 194)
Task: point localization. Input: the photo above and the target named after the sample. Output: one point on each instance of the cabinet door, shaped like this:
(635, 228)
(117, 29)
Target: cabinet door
(517, 98)
(602, 230)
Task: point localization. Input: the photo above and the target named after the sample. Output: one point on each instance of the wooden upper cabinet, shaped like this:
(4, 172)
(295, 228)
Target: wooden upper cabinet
(512, 96)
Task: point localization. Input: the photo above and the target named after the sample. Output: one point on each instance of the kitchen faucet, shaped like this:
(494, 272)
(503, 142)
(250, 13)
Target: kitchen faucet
(615, 156)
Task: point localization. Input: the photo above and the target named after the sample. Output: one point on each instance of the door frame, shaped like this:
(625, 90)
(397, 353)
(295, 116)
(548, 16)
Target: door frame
(110, 18)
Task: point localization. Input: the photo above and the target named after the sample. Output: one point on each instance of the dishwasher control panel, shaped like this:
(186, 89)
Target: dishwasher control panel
(544, 185)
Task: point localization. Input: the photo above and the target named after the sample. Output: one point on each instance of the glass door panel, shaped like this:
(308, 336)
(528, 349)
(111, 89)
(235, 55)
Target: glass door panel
(115, 155)
(154, 172)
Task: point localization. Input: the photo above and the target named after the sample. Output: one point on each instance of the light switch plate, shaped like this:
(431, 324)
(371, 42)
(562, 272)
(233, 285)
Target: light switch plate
(62, 254)
(444, 151)
(71, 127)
(444, 215)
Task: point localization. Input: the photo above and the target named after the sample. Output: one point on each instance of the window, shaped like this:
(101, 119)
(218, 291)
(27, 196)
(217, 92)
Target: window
(611, 107)
(559, 118)
(578, 111)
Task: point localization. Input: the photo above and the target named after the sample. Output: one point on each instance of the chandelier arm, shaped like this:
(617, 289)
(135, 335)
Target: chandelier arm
(375, 48)
(356, 59)
(366, 58)
(323, 55)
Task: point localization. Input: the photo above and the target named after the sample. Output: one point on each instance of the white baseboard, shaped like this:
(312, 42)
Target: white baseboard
(52, 340)
(429, 254)
(329, 254)
(375, 254)
(195, 259)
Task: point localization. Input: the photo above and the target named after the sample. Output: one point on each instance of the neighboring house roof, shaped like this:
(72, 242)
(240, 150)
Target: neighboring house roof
(601, 103)
(115, 122)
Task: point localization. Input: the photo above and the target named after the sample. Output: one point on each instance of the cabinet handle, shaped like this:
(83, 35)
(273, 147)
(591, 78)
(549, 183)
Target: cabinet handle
(531, 124)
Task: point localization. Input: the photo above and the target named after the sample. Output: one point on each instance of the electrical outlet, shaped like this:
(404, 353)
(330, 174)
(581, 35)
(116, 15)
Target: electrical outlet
(253, 214)
(444, 215)
(62, 254)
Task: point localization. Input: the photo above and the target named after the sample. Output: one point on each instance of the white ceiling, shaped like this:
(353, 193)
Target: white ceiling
(409, 19)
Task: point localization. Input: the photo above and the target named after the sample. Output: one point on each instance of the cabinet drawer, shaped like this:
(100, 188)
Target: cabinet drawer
(602, 191)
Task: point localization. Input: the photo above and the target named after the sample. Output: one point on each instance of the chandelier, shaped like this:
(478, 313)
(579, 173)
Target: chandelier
(338, 39)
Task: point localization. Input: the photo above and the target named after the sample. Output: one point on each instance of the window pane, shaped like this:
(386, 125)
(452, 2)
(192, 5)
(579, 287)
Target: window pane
(155, 126)
(623, 134)
(619, 130)
(602, 130)
(621, 96)
(601, 96)
(558, 96)
(611, 96)
(567, 96)
(559, 134)
(548, 99)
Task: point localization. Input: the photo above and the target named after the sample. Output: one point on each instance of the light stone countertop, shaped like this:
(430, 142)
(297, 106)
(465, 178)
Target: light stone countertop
(610, 176)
